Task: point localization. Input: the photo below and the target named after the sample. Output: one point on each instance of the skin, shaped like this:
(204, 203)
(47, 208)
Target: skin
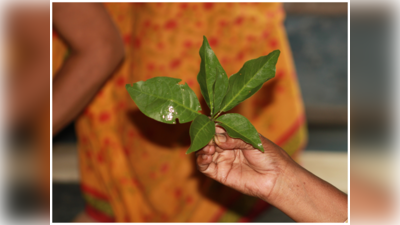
(273, 177)
(27, 63)
(96, 51)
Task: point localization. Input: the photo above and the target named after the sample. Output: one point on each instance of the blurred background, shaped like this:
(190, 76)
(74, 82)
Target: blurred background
(374, 112)
(318, 35)
(25, 165)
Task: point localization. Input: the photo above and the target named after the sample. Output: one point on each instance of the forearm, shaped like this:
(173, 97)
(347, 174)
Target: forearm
(80, 78)
(306, 198)
(97, 50)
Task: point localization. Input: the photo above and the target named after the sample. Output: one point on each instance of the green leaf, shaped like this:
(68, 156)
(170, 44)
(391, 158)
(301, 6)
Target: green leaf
(201, 132)
(209, 68)
(249, 79)
(164, 100)
(220, 88)
(239, 126)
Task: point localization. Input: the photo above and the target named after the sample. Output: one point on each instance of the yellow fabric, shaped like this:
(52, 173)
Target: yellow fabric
(138, 165)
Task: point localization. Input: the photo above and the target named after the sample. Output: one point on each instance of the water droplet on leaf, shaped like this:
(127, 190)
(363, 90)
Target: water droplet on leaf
(169, 117)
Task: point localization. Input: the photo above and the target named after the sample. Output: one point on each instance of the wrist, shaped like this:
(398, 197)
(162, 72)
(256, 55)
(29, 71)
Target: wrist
(287, 176)
(284, 169)
(306, 198)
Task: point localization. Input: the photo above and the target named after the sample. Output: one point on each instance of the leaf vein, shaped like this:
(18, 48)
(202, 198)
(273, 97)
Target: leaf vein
(236, 131)
(239, 92)
(173, 100)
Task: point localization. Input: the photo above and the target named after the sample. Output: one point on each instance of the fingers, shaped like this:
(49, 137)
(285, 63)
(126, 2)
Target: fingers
(203, 162)
(223, 141)
(204, 158)
(219, 130)
(208, 150)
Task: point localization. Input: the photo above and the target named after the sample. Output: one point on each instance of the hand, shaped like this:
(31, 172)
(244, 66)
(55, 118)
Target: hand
(272, 176)
(239, 165)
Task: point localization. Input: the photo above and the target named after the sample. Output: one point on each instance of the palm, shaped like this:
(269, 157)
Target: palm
(249, 171)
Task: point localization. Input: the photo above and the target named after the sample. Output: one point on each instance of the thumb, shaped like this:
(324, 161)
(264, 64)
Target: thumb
(224, 141)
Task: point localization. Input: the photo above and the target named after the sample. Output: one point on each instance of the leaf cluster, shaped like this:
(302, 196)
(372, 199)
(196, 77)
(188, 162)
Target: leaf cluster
(165, 100)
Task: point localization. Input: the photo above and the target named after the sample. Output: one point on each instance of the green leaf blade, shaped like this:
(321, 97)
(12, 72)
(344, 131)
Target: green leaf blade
(249, 79)
(201, 132)
(220, 88)
(238, 126)
(209, 68)
(163, 99)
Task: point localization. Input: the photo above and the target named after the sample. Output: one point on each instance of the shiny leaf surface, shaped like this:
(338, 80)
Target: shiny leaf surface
(239, 126)
(220, 88)
(164, 100)
(201, 132)
(209, 68)
(249, 79)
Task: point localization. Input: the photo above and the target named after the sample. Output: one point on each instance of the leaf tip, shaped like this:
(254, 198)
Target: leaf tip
(277, 52)
(260, 147)
(205, 41)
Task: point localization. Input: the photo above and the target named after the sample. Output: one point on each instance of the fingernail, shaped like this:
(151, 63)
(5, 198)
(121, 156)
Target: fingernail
(204, 156)
(221, 138)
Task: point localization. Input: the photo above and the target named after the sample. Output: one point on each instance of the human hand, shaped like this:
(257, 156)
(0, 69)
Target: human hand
(239, 165)
(272, 176)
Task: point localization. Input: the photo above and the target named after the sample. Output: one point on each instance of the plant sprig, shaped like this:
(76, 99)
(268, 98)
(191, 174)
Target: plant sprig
(164, 100)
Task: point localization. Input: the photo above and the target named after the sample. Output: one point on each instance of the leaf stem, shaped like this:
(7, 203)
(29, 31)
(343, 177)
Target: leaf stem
(216, 115)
